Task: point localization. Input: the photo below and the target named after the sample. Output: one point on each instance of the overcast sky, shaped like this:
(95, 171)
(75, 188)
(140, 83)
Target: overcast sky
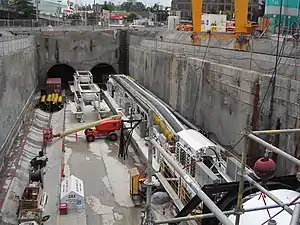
(146, 2)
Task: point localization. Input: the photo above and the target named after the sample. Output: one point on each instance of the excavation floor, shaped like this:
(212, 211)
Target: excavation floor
(105, 176)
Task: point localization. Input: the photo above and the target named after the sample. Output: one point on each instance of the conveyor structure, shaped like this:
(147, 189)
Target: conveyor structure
(187, 146)
(86, 92)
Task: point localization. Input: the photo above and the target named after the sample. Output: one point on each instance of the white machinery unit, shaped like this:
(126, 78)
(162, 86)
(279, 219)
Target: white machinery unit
(173, 21)
(214, 21)
(191, 146)
(85, 93)
(72, 192)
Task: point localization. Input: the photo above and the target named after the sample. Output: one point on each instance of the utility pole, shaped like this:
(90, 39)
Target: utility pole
(149, 182)
(94, 15)
(37, 11)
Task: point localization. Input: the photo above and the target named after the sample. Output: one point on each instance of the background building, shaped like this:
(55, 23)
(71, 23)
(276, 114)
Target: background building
(51, 7)
(213, 6)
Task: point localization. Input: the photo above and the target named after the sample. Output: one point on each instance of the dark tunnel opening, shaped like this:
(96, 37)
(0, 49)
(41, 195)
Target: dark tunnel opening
(101, 74)
(63, 71)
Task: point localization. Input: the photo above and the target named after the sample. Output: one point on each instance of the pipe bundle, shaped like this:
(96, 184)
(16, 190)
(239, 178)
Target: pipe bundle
(51, 102)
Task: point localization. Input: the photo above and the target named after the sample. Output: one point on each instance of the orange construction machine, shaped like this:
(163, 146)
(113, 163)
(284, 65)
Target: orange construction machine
(107, 127)
(104, 129)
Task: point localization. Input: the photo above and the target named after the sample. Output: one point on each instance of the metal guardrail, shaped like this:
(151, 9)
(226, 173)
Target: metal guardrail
(45, 24)
(11, 44)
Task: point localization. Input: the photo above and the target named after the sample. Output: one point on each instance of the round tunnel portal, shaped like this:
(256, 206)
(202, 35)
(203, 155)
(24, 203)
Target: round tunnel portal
(63, 71)
(101, 74)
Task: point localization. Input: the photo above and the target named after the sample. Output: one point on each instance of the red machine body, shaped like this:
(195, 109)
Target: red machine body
(265, 168)
(53, 85)
(105, 129)
(47, 135)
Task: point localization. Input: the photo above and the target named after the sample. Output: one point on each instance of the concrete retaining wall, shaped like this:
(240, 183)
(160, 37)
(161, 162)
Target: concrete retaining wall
(220, 51)
(221, 99)
(81, 50)
(17, 81)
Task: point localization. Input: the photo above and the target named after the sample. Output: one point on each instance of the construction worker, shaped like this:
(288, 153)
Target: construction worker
(39, 161)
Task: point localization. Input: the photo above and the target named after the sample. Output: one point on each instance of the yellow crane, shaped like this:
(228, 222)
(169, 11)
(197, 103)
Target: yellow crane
(242, 26)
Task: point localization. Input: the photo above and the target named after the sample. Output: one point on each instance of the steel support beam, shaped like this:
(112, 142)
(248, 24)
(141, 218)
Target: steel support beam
(258, 132)
(271, 196)
(241, 183)
(296, 215)
(149, 172)
(212, 215)
(194, 185)
(192, 204)
(274, 149)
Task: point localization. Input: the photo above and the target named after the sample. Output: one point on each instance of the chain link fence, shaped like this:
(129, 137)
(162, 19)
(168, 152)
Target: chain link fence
(59, 24)
(10, 43)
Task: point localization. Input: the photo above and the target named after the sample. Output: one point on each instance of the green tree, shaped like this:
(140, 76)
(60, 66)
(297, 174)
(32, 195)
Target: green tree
(109, 6)
(228, 14)
(131, 17)
(24, 8)
(74, 16)
(130, 7)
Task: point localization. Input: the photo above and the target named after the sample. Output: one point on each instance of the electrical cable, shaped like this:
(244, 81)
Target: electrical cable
(269, 85)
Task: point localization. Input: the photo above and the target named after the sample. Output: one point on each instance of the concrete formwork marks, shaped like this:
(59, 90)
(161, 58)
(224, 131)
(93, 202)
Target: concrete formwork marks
(225, 99)
(17, 80)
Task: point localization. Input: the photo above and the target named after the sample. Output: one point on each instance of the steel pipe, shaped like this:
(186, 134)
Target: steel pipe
(241, 185)
(194, 185)
(271, 196)
(166, 113)
(257, 132)
(296, 215)
(274, 149)
(212, 215)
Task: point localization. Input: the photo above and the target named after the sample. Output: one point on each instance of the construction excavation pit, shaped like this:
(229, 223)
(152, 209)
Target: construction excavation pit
(195, 125)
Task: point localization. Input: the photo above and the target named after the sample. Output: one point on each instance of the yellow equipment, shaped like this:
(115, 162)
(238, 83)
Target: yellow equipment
(60, 99)
(242, 26)
(163, 127)
(135, 186)
(43, 99)
(55, 99)
(49, 98)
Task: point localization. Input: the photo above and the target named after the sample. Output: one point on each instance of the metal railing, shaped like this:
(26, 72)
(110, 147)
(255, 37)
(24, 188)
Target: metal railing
(11, 44)
(59, 24)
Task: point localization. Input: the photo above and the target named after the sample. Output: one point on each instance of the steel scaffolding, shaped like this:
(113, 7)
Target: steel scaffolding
(296, 215)
(216, 212)
(193, 185)
(212, 215)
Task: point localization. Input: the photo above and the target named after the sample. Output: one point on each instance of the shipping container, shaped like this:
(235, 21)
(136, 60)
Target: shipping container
(53, 85)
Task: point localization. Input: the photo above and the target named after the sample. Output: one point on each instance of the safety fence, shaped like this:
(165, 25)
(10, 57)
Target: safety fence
(69, 24)
(11, 44)
(261, 56)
